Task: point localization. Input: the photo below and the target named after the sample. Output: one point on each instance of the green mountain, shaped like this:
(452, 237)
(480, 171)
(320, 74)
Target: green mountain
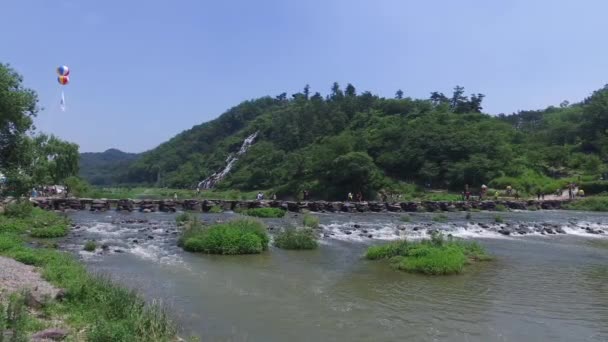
(105, 168)
(349, 141)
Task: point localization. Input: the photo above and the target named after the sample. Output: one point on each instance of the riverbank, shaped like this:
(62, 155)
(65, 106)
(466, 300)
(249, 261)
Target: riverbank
(84, 306)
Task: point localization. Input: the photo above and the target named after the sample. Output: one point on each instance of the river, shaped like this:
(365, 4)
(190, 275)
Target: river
(541, 287)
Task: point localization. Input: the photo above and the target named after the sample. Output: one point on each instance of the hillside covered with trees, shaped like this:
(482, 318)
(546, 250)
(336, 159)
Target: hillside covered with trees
(350, 141)
(104, 168)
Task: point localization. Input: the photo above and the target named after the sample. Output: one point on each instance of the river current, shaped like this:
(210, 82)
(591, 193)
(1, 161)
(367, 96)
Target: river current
(549, 281)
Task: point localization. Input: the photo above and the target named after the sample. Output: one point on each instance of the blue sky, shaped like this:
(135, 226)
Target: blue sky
(143, 71)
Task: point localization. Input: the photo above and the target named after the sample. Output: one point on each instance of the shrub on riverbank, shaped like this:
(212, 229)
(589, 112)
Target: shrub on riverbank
(106, 311)
(265, 212)
(436, 256)
(595, 203)
(310, 221)
(234, 237)
(296, 239)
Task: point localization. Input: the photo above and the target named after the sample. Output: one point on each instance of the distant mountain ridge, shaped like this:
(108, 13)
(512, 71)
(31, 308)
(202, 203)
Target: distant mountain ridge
(105, 168)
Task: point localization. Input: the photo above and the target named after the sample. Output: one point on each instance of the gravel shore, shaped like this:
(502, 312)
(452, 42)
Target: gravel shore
(15, 276)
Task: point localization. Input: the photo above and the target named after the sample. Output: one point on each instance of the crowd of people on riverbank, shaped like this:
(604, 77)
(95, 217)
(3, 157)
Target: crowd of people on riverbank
(49, 191)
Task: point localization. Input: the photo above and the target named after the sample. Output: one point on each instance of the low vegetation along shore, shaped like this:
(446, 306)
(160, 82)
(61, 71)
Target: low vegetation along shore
(437, 256)
(86, 307)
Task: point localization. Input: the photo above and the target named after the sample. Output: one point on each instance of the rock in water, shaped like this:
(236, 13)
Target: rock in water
(50, 334)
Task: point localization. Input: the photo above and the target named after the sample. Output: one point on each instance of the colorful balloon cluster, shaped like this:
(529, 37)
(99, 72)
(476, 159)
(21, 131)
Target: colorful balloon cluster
(64, 73)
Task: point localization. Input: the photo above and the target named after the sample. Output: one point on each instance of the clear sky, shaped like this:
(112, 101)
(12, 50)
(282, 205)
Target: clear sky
(143, 71)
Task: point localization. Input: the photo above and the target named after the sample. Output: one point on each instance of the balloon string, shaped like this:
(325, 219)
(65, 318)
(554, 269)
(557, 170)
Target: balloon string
(62, 101)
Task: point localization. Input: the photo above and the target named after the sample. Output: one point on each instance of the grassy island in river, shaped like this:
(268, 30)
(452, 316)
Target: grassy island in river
(436, 256)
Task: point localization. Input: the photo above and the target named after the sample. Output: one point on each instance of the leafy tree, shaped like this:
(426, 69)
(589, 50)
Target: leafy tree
(399, 94)
(354, 171)
(18, 107)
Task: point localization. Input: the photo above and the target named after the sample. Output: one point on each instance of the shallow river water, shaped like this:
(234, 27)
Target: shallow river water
(541, 287)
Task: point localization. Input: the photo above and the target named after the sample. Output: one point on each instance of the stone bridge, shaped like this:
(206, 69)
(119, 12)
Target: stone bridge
(314, 206)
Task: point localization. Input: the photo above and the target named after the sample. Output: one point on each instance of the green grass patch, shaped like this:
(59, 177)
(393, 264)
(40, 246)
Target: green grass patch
(595, 203)
(440, 218)
(499, 219)
(265, 212)
(216, 209)
(500, 207)
(234, 237)
(90, 246)
(440, 197)
(296, 239)
(405, 218)
(23, 217)
(310, 221)
(164, 193)
(435, 256)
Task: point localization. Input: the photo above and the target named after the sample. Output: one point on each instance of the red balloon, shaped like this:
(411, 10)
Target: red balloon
(63, 80)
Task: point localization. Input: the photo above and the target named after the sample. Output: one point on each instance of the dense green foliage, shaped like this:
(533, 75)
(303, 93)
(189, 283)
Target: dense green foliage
(292, 238)
(598, 203)
(434, 256)
(93, 306)
(349, 142)
(105, 168)
(264, 212)
(28, 160)
(234, 237)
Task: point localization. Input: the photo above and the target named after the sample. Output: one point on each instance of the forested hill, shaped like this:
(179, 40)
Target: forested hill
(349, 141)
(105, 168)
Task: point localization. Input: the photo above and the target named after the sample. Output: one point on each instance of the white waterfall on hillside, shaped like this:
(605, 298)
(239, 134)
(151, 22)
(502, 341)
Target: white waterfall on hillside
(215, 178)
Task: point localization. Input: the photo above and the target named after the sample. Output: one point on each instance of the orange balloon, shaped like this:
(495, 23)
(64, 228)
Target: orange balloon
(63, 80)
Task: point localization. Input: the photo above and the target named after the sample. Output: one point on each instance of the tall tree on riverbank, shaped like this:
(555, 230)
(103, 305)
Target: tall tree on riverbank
(18, 107)
(28, 160)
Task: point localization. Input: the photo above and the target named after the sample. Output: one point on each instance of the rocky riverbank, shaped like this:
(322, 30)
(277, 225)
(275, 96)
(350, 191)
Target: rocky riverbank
(314, 206)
